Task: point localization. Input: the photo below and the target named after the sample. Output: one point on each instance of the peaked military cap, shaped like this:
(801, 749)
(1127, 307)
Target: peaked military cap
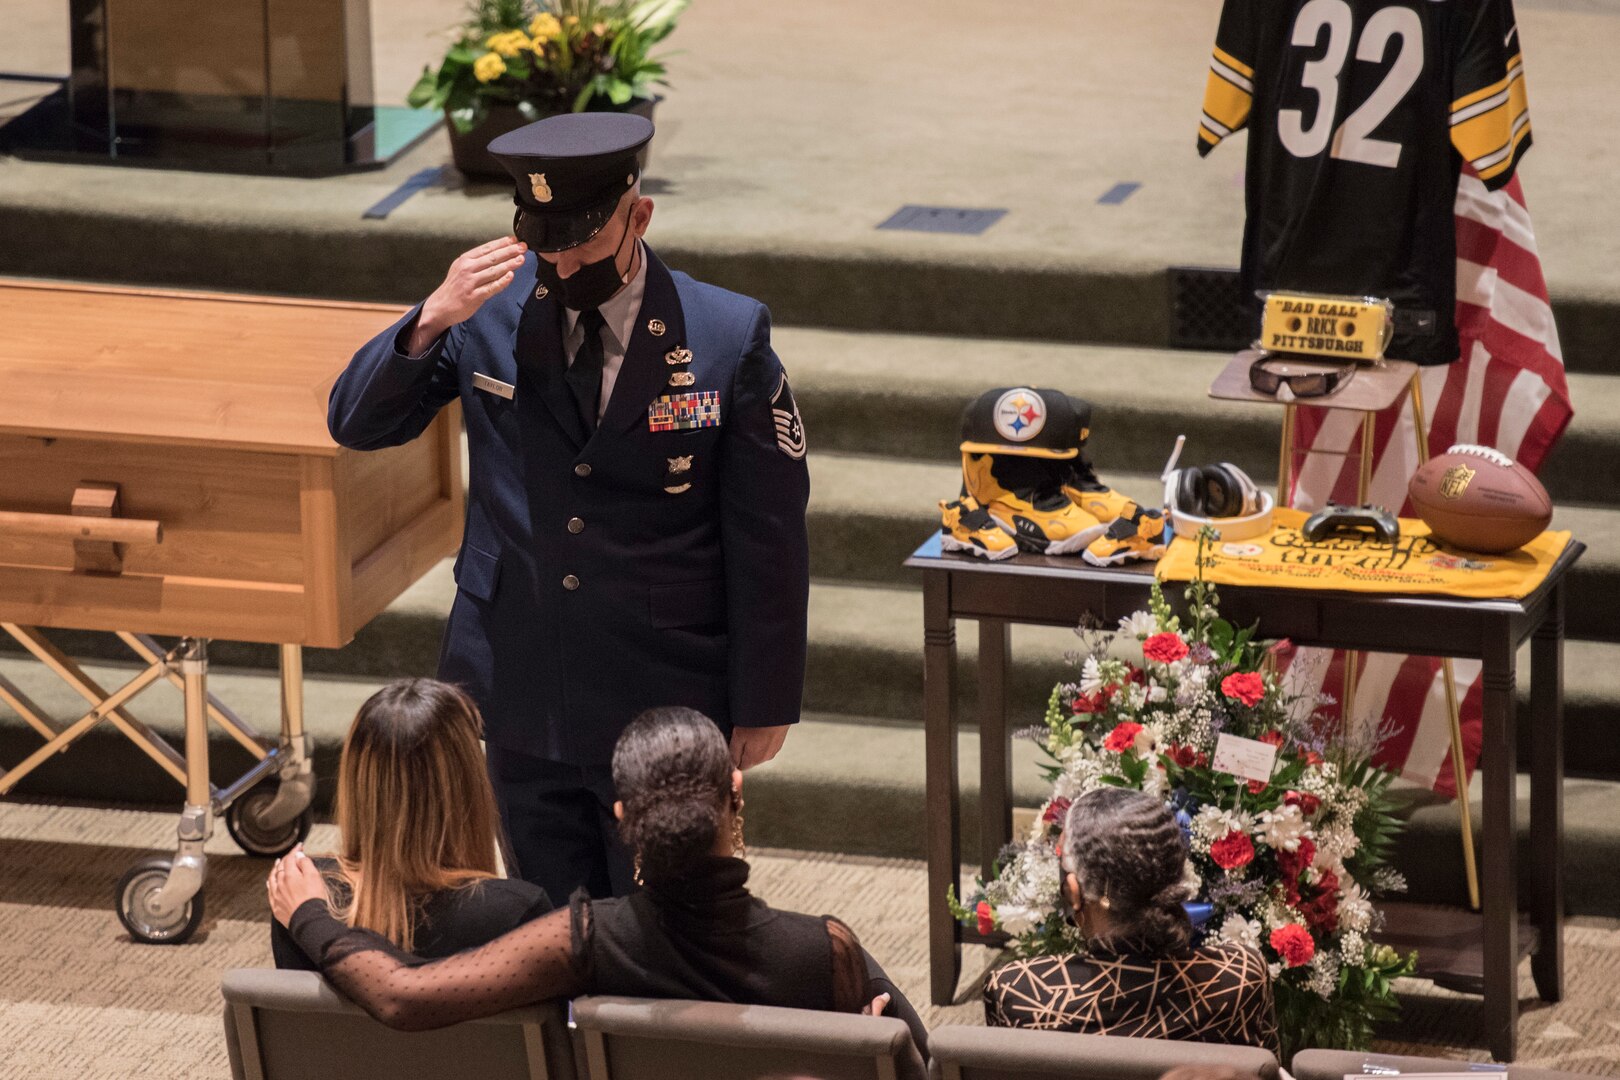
(571, 170)
(1026, 422)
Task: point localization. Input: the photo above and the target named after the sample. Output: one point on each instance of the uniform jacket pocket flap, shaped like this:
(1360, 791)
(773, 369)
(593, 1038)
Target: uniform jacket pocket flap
(690, 603)
(477, 572)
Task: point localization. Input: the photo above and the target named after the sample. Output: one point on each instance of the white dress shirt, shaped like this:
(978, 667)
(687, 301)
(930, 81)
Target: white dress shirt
(619, 320)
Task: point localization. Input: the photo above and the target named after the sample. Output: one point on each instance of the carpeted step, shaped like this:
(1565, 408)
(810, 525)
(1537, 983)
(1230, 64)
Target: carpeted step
(842, 783)
(866, 660)
(902, 395)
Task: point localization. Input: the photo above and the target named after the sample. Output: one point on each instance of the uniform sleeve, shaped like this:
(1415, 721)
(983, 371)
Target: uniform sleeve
(386, 397)
(765, 487)
(1229, 88)
(1490, 113)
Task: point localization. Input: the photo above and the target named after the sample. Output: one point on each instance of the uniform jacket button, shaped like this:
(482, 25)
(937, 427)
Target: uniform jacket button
(582, 469)
(576, 525)
(570, 582)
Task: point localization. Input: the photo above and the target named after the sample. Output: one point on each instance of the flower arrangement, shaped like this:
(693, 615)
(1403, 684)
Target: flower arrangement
(554, 57)
(1288, 865)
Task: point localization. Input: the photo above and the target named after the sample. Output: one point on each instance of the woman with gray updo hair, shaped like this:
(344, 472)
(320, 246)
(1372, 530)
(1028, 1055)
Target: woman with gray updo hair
(1123, 883)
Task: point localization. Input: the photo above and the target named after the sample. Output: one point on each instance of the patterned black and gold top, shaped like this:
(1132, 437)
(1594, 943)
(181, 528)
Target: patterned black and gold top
(1217, 993)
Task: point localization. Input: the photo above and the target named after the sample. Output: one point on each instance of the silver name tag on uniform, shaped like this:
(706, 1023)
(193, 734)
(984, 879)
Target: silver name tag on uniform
(493, 386)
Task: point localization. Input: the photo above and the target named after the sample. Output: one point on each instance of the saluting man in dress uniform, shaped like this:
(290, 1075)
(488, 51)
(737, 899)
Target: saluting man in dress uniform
(635, 530)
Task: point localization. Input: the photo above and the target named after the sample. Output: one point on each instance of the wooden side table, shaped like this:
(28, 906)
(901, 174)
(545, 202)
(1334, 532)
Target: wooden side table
(1482, 951)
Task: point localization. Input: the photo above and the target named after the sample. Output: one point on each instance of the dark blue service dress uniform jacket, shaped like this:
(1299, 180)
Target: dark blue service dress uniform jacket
(603, 573)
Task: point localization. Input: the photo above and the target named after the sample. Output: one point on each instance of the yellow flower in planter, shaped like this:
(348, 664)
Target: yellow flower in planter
(488, 67)
(545, 26)
(509, 43)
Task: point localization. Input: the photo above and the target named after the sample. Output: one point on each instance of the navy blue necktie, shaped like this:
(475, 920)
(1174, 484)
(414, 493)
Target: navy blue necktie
(584, 376)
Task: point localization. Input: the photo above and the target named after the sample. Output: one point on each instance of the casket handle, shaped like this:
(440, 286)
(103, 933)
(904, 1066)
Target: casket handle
(74, 527)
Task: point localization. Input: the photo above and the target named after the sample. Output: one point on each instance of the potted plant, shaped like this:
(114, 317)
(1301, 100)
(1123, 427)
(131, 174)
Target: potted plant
(517, 61)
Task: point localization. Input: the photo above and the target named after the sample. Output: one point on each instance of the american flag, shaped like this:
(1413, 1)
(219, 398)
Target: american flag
(1506, 390)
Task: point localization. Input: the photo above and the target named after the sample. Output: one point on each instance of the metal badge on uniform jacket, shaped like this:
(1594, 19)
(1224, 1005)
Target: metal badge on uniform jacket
(678, 466)
(678, 356)
(789, 428)
(655, 327)
(540, 292)
(684, 412)
(682, 378)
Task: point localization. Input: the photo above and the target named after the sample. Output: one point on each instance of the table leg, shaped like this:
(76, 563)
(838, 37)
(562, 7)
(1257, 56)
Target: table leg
(995, 763)
(1501, 878)
(942, 804)
(1547, 799)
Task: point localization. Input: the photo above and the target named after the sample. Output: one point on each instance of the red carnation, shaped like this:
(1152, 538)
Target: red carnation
(1257, 786)
(1294, 863)
(1122, 738)
(1091, 703)
(1322, 911)
(987, 918)
(1186, 757)
(1308, 804)
(1245, 686)
(1165, 648)
(1272, 738)
(1293, 943)
(1055, 811)
(1233, 850)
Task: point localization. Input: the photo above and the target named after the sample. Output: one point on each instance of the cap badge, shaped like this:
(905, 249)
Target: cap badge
(682, 378)
(541, 292)
(539, 188)
(678, 465)
(1020, 415)
(677, 356)
(655, 327)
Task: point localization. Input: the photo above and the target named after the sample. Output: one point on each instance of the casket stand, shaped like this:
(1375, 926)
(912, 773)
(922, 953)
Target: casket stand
(165, 469)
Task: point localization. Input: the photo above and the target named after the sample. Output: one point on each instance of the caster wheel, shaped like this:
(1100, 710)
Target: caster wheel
(137, 890)
(243, 819)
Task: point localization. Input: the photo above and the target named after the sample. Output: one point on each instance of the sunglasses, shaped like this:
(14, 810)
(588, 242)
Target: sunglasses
(1268, 374)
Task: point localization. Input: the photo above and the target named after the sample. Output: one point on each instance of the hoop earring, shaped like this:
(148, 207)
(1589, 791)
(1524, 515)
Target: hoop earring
(739, 847)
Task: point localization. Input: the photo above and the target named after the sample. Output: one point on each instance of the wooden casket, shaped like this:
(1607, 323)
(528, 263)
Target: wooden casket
(205, 415)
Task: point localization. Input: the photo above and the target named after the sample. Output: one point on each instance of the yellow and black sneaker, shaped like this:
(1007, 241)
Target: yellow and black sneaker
(1023, 495)
(967, 526)
(1143, 534)
(1097, 499)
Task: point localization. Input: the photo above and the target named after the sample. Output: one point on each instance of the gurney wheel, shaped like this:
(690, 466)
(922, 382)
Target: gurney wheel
(136, 890)
(242, 818)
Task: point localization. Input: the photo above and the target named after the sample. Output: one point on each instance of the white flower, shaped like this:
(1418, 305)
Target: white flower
(1091, 676)
(1143, 743)
(1018, 918)
(1139, 624)
(1355, 910)
(1324, 980)
(1156, 694)
(1352, 947)
(1282, 828)
(1241, 931)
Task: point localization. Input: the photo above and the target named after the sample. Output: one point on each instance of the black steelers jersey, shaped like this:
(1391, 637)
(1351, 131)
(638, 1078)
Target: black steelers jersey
(1360, 113)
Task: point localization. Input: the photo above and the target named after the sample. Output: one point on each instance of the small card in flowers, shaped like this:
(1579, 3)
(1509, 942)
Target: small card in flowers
(1249, 758)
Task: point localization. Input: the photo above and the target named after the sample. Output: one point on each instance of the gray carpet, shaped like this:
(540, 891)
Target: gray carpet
(80, 1001)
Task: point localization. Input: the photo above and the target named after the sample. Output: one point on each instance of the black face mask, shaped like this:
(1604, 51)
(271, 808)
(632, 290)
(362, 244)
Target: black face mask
(592, 285)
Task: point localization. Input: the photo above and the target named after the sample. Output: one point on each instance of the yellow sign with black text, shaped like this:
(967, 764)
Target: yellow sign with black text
(1415, 565)
(1344, 328)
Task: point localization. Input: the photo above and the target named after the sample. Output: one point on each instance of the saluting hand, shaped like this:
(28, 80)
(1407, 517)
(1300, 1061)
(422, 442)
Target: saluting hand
(474, 277)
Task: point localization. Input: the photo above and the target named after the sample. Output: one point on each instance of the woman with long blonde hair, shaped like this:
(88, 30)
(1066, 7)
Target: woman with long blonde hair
(418, 861)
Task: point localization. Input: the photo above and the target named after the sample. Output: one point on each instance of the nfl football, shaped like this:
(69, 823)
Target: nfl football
(1479, 499)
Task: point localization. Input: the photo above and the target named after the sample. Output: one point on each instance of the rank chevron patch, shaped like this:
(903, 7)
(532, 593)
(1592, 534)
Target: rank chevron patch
(789, 428)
